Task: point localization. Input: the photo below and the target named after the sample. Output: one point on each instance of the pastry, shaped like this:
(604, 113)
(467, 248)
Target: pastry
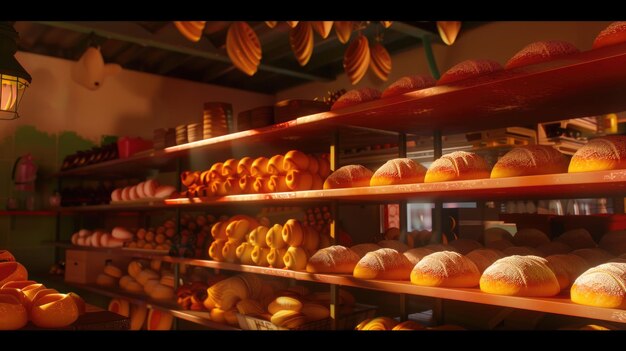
(530, 160)
(458, 165)
(541, 51)
(398, 171)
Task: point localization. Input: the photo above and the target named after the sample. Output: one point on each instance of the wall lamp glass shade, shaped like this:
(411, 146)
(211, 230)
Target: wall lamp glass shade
(13, 77)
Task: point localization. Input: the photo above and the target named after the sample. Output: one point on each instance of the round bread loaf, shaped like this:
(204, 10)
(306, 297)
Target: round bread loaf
(417, 254)
(348, 177)
(615, 33)
(520, 276)
(398, 171)
(541, 51)
(530, 160)
(566, 268)
(333, 259)
(469, 69)
(362, 249)
(446, 269)
(383, 264)
(355, 97)
(530, 237)
(601, 286)
(600, 154)
(458, 165)
(577, 239)
(484, 258)
(407, 84)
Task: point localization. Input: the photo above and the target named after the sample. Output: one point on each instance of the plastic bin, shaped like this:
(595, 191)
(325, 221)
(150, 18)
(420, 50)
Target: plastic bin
(127, 147)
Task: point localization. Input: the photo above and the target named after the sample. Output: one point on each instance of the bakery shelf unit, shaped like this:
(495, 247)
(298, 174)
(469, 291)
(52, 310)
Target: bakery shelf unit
(585, 84)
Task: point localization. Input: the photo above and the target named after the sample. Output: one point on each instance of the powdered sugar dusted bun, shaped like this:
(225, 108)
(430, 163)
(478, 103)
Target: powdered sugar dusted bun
(566, 268)
(520, 276)
(384, 263)
(409, 83)
(469, 69)
(521, 251)
(355, 97)
(362, 249)
(398, 171)
(530, 237)
(601, 286)
(530, 160)
(577, 239)
(465, 246)
(447, 269)
(415, 255)
(541, 51)
(484, 258)
(394, 244)
(116, 195)
(614, 242)
(600, 154)
(593, 256)
(458, 165)
(349, 176)
(164, 191)
(615, 33)
(149, 187)
(333, 259)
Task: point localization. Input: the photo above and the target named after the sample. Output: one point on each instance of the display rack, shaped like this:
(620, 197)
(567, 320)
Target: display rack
(580, 85)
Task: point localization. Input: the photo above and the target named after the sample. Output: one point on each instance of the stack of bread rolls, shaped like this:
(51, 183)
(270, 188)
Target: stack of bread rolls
(100, 238)
(147, 190)
(292, 171)
(228, 235)
(149, 278)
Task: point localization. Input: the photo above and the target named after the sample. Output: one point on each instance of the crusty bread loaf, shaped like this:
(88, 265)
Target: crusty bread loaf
(408, 83)
(362, 249)
(465, 246)
(348, 177)
(394, 244)
(333, 259)
(355, 97)
(615, 33)
(577, 239)
(384, 263)
(602, 286)
(520, 276)
(501, 244)
(614, 242)
(494, 233)
(446, 269)
(522, 251)
(469, 69)
(458, 165)
(484, 258)
(600, 154)
(554, 248)
(541, 51)
(398, 171)
(415, 255)
(593, 256)
(566, 268)
(530, 237)
(530, 160)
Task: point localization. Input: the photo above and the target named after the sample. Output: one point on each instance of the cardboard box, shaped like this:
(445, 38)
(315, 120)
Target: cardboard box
(83, 267)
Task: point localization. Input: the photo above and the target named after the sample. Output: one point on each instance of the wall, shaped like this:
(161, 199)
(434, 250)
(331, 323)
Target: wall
(497, 41)
(59, 117)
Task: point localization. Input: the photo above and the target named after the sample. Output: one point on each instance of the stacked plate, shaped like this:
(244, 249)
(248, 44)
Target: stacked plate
(164, 137)
(194, 132)
(215, 119)
(181, 134)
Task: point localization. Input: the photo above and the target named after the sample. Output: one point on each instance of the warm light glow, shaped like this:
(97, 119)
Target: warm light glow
(8, 95)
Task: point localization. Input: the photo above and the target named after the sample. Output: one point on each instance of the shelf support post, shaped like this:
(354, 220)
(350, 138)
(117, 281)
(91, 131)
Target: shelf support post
(430, 57)
(57, 227)
(334, 211)
(403, 214)
(437, 219)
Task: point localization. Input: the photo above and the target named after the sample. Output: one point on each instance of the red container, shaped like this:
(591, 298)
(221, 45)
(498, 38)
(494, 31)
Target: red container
(127, 147)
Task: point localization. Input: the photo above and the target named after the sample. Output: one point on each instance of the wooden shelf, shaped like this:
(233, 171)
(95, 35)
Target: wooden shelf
(563, 185)
(198, 317)
(581, 85)
(44, 213)
(145, 254)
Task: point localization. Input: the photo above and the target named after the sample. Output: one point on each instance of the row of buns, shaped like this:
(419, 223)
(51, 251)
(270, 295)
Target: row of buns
(603, 153)
(534, 53)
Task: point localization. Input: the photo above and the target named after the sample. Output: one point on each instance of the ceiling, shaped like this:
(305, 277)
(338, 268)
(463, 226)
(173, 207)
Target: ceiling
(158, 48)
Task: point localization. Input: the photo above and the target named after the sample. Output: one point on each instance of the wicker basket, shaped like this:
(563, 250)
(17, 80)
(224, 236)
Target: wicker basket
(345, 322)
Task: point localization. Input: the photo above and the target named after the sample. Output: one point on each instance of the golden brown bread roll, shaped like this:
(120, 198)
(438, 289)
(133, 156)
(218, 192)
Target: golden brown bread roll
(275, 257)
(378, 323)
(216, 248)
(288, 319)
(324, 167)
(393, 244)
(259, 256)
(275, 165)
(284, 303)
(311, 239)
(293, 233)
(244, 253)
(577, 239)
(314, 165)
(600, 154)
(614, 242)
(333, 259)
(464, 246)
(362, 249)
(520, 276)
(416, 254)
(274, 237)
(277, 184)
(296, 160)
(446, 269)
(244, 165)
(237, 230)
(259, 167)
(601, 286)
(458, 165)
(258, 235)
(246, 184)
(408, 325)
(566, 268)
(297, 180)
(484, 258)
(314, 312)
(318, 182)
(530, 237)
(530, 160)
(386, 264)
(229, 168)
(350, 176)
(398, 171)
(553, 248)
(522, 251)
(593, 256)
(218, 231)
(295, 258)
(229, 251)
